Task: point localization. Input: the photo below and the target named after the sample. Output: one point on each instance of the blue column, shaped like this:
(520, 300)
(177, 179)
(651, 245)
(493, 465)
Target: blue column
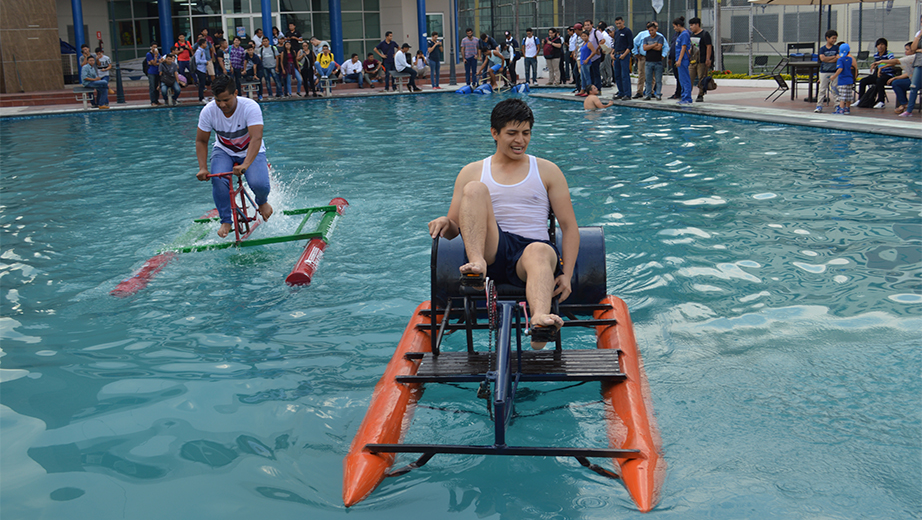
(166, 26)
(336, 29)
(267, 18)
(79, 37)
(421, 23)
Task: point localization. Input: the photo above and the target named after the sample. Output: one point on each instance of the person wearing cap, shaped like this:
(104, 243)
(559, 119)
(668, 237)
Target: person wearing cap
(402, 65)
(530, 46)
(845, 79)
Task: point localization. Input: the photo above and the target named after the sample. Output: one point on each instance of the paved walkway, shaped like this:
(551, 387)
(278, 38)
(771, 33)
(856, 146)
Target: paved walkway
(738, 99)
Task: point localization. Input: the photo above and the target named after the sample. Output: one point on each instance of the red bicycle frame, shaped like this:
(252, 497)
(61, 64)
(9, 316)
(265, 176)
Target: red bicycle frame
(242, 228)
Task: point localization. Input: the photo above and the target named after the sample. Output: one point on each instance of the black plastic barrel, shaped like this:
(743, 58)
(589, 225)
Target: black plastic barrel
(588, 282)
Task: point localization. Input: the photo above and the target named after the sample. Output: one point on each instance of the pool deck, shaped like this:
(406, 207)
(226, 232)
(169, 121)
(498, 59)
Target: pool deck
(737, 99)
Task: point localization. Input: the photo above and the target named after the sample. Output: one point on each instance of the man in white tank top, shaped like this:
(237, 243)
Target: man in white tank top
(500, 206)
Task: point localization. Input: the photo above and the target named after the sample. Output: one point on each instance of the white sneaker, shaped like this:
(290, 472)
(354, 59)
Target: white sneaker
(855, 104)
(818, 110)
(879, 105)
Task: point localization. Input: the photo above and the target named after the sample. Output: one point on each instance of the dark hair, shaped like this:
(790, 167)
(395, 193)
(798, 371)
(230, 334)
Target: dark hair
(589, 20)
(99, 49)
(680, 21)
(388, 33)
(201, 42)
(555, 30)
(405, 46)
(223, 83)
(371, 54)
(87, 46)
(510, 110)
(529, 30)
(879, 41)
(468, 30)
(266, 38)
(908, 44)
(152, 44)
(831, 32)
(483, 36)
(182, 34)
(354, 55)
(435, 33)
(619, 18)
(695, 20)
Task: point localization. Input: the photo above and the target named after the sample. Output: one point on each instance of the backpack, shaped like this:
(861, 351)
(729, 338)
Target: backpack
(693, 52)
(869, 97)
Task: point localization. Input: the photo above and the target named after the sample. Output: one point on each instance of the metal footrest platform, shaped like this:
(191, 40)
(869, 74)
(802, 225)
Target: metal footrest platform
(537, 365)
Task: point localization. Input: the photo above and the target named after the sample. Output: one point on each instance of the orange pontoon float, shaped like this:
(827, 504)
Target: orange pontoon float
(634, 443)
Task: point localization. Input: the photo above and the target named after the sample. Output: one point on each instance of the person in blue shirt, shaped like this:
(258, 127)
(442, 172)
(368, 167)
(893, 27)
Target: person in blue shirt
(585, 57)
(90, 78)
(880, 74)
(153, 60)
(845, 79)
(683, 59)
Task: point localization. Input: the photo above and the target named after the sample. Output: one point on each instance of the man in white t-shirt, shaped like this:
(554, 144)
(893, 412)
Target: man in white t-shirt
(239, 148)
(352, 71)
(530, 46)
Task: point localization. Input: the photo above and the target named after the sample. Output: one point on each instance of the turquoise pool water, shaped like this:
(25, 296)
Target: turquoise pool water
(773, 275)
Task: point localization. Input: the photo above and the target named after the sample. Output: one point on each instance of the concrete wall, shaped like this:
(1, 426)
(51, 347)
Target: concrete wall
(30, 57)
(399, 16)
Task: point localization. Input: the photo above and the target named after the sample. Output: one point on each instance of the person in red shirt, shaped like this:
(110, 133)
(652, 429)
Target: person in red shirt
(183, 51)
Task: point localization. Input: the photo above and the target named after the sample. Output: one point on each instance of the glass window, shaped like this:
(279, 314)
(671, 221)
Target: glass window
(353, 47)
(302, 23)
(320, 5)
(126, 34)
(182, 24)
(179, 9)
(206, 7)
(122, 9)
(352, 26)
(351, 5)
(434, 23)
(322, 25)
(369, 45)
(145, 9)
(372, 25)
(205, 22)
(149, 31)
(371, 5)
(295, 5)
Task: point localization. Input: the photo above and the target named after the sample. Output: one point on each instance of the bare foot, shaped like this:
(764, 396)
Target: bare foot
(265, 211)
(224, 229)
(475, 268)
(544, 320)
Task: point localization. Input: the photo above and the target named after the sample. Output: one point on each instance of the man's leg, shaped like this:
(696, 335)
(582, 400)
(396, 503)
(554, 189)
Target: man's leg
(658, 76)
(616, 73)
(152, 85)
(201, 85)
(597, 74)
(648, 84)
(478, 227)
(222, 162)
(536, 268)
(258, 180)
(881, 86)
(641, 73)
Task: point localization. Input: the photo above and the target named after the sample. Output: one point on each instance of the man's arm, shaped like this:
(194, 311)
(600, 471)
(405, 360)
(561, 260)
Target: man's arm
(256, 141)
(447, 226)
(559, 195)
(201, 153)
(378, 52)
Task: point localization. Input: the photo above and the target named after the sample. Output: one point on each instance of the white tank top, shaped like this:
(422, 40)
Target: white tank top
(520, 208)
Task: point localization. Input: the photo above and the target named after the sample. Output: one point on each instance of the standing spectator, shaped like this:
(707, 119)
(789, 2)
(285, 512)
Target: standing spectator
(605, 64)
(552, 52)
(276, 37)
(597, 39)
(401, 65)
(317, 45)
(435, 48)
(89, 77)
(386, 50)
(585, 55)
(530, 46)
(682, 59)
(469, 51)
(421, 64)
(209, 67)
(916, 78)
(292, 35)
(103, 66)
(183, 51)
(701, 64)
(514, 56)
(845, 80)
(84, 54)
(153, 73)
(220, 59)
(307, 59)
(269, 56)
(621, 59)
(880, 74)
(169, 79)
(373, 69)
(202, 59)
(352, 71)
(257, 38)
(672, 64)
(576, 41)
(251, 70)
(655, 47)
(288, 67)
(828, 56)
(641, 56)
(235, 54)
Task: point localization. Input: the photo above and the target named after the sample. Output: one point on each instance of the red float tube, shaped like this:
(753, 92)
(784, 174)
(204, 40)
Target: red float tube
(390, 410)
(305, 267)
(631, 424)
(141, 278)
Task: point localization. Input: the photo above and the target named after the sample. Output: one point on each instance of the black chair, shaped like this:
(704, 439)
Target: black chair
(761, 63)
(782, 87)
(863, 58)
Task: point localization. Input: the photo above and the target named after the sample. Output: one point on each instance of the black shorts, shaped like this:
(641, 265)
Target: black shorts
(508, 251)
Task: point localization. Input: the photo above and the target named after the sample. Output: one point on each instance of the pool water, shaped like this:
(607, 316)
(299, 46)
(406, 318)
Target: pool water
(773, 275)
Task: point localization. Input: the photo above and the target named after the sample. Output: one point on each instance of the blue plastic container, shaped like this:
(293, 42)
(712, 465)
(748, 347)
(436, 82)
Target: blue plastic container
(484, 89)
(466, 89)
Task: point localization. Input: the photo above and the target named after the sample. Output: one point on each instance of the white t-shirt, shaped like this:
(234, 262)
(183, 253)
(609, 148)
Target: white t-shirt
(233, 134)
(530, 47)
(352, 68)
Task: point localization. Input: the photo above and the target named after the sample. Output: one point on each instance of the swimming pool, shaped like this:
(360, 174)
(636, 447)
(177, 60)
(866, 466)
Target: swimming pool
(773, 275)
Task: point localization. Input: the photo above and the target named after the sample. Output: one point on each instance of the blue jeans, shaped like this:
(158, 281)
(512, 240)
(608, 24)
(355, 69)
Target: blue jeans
(164, 90)
(470, 69)
(202, 77)
(269, 76)
(653, 85)
(257, 179)
(622, 75)
(584, 75)
(355, 77)
(102, 91)
(153, 86)
(595, 74)
(914, 88)
(685, 81)
(328, 71)
(288, 82)
(388, 80)
(435, 68)
(531, 69)
(900, 86)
